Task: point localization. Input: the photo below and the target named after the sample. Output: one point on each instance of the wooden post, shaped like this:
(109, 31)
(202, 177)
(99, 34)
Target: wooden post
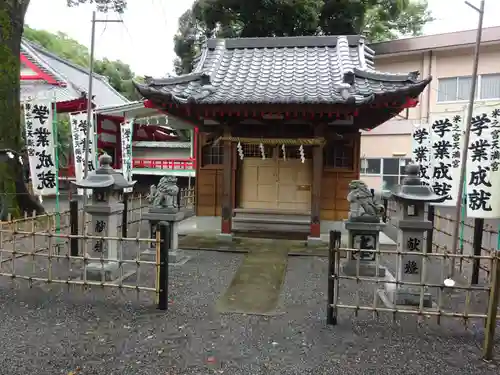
(477, 244)
(317, 159)
(491, 319)
(227, 209)
(430, 232)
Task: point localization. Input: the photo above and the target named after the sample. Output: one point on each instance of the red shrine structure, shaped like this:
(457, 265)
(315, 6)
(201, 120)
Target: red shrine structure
(279, 126)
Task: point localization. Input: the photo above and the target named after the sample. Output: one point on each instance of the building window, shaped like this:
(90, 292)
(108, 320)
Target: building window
(490, 86)
(391, 170)
(371, 166)
(212, 154)
(339, 154)
(251, 150)
(458, 88)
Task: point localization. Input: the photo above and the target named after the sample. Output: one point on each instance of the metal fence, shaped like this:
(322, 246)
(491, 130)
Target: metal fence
(462, 303)
(54, 249)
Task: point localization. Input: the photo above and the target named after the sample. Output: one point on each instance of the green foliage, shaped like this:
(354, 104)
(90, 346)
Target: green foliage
(102, 5)
(376, 19)
(119, 74)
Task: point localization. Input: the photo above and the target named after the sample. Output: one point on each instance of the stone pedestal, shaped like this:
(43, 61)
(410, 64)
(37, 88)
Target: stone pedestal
(363, 236)
(104, 222)
(410, 239)
(173, 217)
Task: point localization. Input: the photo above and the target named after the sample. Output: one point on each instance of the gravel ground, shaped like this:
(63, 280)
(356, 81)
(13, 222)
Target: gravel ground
(103, 332)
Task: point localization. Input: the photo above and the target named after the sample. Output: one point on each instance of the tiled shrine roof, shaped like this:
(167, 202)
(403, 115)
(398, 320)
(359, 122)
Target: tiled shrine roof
(287, 70)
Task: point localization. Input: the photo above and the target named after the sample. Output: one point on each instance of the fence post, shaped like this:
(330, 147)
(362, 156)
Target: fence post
(477, 243)
(125, 215)
(491, 318)
(333, 253)
(73, 222)
(165, 240)
(430, 232)
(385, 202)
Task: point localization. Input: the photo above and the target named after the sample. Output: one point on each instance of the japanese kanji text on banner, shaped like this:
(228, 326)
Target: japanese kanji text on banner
(421, 154)
(437, 147)
(126, 138)
(79, 129)
(41, 147)
(483, 164)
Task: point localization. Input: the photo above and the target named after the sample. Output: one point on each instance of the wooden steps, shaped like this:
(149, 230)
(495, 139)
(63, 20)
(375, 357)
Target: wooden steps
(271, 223)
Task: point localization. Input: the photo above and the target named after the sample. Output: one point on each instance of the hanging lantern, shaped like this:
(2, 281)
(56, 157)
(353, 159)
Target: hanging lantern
(301, 152)
(262, 151)
(283, 148)
(240, 151)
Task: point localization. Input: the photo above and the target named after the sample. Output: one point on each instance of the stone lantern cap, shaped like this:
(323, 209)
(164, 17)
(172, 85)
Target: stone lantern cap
(412, 189)
(104, 177)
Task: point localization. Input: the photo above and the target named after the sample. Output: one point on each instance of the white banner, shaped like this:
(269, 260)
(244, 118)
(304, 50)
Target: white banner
(446, 138)
(483, 158)
(126, 132)
(79, 129)
(421, 151)
(41, 146)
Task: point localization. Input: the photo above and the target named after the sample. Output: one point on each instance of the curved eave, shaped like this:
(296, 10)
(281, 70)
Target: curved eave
(412, 90)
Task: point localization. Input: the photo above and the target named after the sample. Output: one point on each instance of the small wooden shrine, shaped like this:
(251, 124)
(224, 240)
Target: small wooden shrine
(279, 122)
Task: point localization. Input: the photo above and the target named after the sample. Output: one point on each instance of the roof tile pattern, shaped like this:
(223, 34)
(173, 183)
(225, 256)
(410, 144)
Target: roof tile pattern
(323, 70)
(72, 80)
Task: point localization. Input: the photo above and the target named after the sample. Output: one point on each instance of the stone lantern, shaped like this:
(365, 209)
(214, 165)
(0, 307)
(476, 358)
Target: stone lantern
(411, 197)
(105, 210)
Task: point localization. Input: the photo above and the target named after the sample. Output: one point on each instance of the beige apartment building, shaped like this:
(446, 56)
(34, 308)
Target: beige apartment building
(448, 58)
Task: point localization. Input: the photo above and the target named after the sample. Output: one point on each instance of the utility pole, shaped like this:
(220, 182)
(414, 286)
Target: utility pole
(90, 94)
(89, 97)
(470, 108)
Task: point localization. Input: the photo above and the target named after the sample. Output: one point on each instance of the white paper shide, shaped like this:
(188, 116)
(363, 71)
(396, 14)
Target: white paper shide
(126, 139)
(421, 151)
(446, 138)
(41, 147)
(483, 172)
(79, 129)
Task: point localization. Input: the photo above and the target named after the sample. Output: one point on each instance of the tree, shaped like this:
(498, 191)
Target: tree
(12, 15)
(119, 74)
(377, 19)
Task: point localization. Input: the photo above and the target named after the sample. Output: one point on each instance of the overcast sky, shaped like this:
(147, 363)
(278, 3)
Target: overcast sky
(144, 39)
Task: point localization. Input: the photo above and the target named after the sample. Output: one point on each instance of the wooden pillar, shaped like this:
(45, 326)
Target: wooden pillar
(227, 201)
(317, 173)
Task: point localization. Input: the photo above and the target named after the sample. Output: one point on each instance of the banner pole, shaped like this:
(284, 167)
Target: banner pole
(56, 160)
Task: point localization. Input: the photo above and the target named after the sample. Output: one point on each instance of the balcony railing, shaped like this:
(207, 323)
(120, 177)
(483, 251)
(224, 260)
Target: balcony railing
(145, 163)
(177, 164)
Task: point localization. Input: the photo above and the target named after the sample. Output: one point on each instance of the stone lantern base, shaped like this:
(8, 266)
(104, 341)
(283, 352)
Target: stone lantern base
(363, 236)
(156, 215)
(96, 270)
(404, 295)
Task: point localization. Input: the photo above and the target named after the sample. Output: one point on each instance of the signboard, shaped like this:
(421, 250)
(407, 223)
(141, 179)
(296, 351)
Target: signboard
(79, 128)
(126, 140)
(483, 164)
(421, 155)
(40, 145)
(438, 147)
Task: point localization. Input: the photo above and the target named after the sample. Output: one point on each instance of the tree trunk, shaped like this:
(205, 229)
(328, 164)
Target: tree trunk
(12, 14)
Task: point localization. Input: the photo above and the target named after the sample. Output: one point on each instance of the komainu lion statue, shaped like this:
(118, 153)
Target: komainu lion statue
(164, 195)
(363, 207)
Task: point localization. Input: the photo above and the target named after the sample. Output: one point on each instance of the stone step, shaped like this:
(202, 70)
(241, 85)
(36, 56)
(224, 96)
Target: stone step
(260, 226)
(272, 212)
(272, 220)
